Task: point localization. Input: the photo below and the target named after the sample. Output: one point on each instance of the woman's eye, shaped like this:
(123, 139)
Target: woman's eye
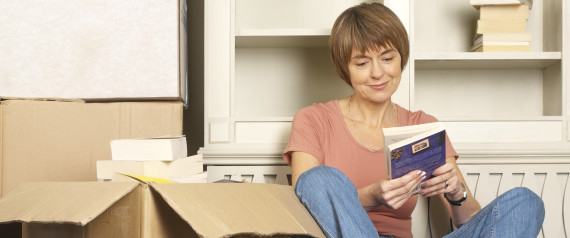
(388, 59)
(361, 64)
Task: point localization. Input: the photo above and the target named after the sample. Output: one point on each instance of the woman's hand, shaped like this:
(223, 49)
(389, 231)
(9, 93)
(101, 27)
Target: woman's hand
(445, 180)
(394, 193)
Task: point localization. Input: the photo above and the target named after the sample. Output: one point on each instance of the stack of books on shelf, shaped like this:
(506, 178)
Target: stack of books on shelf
(501, 26)
(163, 157)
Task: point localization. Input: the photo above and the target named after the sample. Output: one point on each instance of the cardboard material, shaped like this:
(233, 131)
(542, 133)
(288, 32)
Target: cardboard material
(70, 209)
(180, 168)
(108, 50)
(75, 209)
(61, 141)
(223, 209)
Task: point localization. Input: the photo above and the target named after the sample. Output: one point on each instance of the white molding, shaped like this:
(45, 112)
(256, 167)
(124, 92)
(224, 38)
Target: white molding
(269, 154)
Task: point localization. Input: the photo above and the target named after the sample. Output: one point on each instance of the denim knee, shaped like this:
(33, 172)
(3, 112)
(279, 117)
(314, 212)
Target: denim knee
(524, 202)
(332, 199)
(529, 199)
(325, 179)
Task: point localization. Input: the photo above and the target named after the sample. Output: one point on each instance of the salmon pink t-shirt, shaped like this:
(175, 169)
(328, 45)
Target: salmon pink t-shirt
(320, 130)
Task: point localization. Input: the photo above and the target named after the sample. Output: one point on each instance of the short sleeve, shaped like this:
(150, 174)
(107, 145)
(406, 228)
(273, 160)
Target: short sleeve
(305, 135)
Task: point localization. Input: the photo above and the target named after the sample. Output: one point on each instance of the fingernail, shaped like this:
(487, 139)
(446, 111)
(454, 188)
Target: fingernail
(423, 173)
(419, 172)
(424, 177)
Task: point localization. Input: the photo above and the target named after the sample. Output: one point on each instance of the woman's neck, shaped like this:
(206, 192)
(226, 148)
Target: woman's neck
(371, 114)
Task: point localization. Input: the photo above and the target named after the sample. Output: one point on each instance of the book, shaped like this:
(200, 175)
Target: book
(502, 37)
(502, 47)
(501, 26)
(176, 169)
(478, 3)
(149, 149)
(409, 148)
(504, 12)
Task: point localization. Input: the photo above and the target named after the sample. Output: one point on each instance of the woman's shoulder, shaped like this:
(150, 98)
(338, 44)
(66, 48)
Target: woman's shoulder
(319, 109)
(407, 117)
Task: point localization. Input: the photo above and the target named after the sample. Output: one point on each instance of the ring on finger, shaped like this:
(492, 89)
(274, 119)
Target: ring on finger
(446, 184)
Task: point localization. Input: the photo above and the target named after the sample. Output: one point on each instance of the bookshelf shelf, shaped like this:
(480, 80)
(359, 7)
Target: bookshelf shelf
(282, 41)
(476, 60)
(268, 32)
(282, 38)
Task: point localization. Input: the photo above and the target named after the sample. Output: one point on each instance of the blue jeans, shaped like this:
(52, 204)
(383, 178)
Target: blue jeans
(332, 200)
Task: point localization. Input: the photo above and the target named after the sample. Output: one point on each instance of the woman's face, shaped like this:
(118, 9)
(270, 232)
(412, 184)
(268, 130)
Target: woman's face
(375, 74)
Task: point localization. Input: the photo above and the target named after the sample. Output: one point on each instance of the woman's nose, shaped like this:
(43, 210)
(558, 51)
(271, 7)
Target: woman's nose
(377, 71)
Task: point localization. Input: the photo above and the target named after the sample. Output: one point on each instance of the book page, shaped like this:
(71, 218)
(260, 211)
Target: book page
(396, 134)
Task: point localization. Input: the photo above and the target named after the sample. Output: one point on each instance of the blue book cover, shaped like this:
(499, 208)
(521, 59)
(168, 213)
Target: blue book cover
(426, 154)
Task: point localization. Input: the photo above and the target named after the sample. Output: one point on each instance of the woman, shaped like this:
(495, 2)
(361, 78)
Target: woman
(336, 148)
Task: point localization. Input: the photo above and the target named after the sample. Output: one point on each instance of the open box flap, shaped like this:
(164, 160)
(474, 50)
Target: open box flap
(61, 202)
(259, 209)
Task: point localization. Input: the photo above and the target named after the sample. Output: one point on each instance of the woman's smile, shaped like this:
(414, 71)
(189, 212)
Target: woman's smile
(379, 86)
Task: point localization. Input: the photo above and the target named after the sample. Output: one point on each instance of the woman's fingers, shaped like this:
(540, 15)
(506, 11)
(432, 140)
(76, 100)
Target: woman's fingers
(445, 181)
(398, 191)
(440, 187)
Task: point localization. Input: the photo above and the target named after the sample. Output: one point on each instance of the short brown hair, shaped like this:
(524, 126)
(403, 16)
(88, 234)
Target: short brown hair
(366, 27)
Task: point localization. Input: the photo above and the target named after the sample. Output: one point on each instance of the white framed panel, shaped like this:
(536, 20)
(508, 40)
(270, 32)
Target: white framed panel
(262, 132)
(219, 132)
(504, 131)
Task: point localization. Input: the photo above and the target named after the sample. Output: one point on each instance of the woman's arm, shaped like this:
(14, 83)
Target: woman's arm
(391, 193)
(301, 162)
(436, 186)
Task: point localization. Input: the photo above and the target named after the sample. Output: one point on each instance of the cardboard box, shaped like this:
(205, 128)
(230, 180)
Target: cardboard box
(104, 50)
(61, 141)
(131, 209)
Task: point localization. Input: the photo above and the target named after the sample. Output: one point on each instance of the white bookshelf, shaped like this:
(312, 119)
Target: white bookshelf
(266, 59)
(492, 103)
